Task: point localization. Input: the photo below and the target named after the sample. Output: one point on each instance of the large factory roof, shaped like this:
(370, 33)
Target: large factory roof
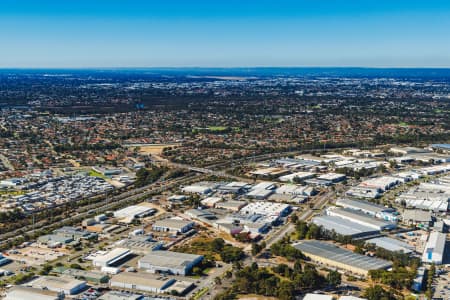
(342, 256)
(342, 226)
(391, 244)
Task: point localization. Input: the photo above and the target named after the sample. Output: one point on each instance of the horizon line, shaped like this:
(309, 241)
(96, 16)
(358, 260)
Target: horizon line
(220, 67)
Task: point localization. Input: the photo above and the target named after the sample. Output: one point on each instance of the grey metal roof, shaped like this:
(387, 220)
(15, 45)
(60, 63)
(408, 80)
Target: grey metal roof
(362, 205)
(342, 226)
(391, 244)
(334, 253)
(169, 259)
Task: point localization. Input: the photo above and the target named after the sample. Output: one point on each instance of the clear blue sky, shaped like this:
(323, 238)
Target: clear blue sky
(215, 33)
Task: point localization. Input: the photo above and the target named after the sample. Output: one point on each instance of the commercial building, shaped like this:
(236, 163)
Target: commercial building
(427, 196)
(311, 296)
(372, 209)
(391, 244)
(361, 218)
(111, 257)
(128, 214)
(231, 205)
(140, 244)
(197, 189)
(435, 248)
(141, 282)
(64, 285)
(94, 277)
(335, 257)
(344, 227)
(298, 176)
(417, 217)
(332, 177)
(382, 183)
(173, 225)
(268, 209)
(27, 293)
(211, 201)
(161, 261)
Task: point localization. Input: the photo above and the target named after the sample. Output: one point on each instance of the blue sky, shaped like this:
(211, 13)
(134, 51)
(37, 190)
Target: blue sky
(215, 33)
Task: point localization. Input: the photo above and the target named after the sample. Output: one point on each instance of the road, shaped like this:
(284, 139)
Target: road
(288, 229)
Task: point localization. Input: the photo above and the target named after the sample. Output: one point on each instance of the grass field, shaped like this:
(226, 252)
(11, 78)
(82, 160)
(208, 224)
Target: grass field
(97, 174)
(155, 149)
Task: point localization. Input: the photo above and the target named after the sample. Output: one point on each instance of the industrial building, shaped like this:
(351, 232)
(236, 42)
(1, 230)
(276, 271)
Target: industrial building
(299, 176)
(128, 214)
(344, 227)
(94, 277)
(268, 209)
(232, 205)
(427, 196)
(173, 225)
(332, 177)
(142, 282)
(435, 248)
(161, 261)
(335, 257)
(417, 217)
(391, 244)
(64, 285)
(311, 296)
(372, 209)
(211, 201)
(364, 192)
(111, 257)
(197, 189)
(382, 183)
(27, 293)
(361, 218)
(140, 244)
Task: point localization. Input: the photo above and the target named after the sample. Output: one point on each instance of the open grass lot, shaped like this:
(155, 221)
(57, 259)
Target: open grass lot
(155, 149)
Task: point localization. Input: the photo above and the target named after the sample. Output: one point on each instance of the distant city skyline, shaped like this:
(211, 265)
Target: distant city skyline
(138, 33)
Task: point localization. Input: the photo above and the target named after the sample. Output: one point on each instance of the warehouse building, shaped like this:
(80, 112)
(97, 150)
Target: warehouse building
(298, 176)
(64, 285)
(140, 244)
(27, 293)
(128, 214)
(141, 282)
(391, 244)
(335, 257)
(266, 208)
(232, 205)
(332, 177)
(197, 189)
(311, 296)
(435, 248)
(417, 217)
(344, 227)
(161, 261)
(372, 209)
(173, 225)
(111, 257)
(361, 218)
(94, 277)
(364, 192)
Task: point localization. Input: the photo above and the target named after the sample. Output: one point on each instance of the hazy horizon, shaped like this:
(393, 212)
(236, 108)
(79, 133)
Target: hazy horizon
(156, 34)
